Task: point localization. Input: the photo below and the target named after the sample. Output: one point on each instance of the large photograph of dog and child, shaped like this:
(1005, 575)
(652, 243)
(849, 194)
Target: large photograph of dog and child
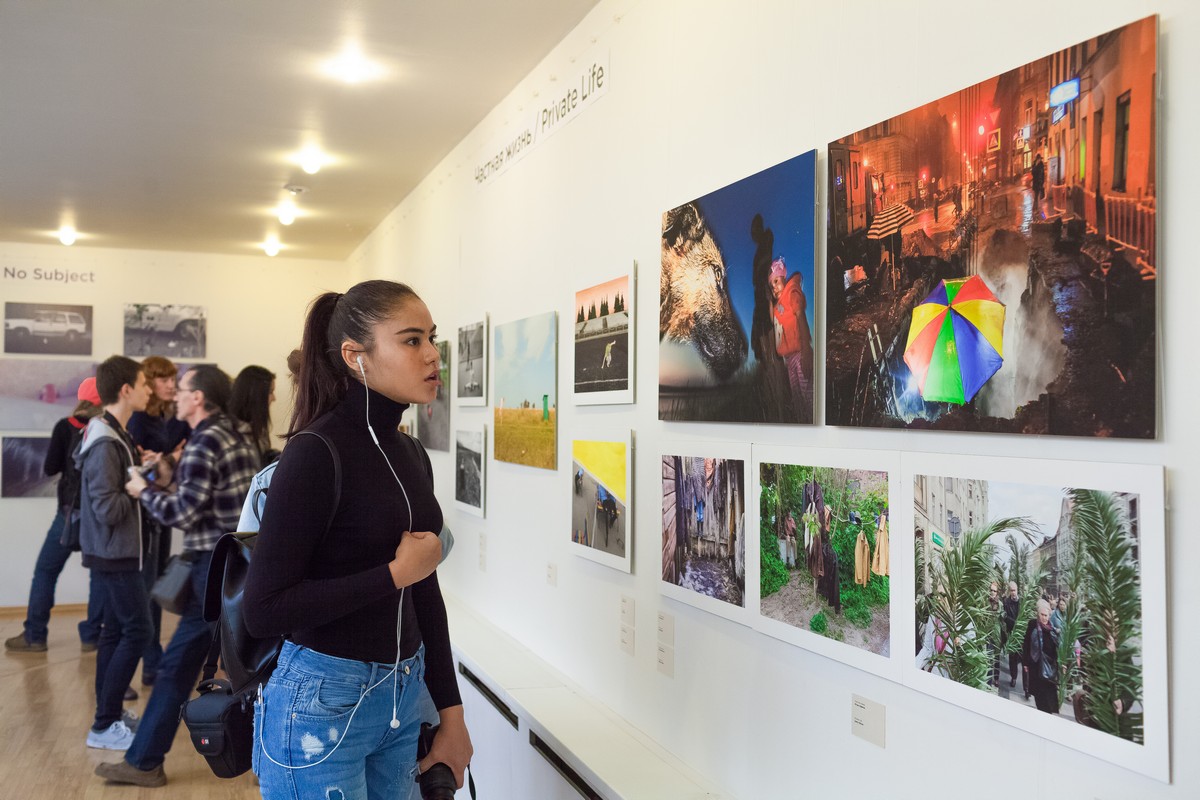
(1044, 596)
(735, 316)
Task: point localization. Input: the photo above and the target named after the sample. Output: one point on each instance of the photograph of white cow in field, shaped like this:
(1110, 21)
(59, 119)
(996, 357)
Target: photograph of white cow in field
(735, 328)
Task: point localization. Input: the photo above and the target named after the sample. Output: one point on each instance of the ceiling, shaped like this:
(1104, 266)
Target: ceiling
(169, 125)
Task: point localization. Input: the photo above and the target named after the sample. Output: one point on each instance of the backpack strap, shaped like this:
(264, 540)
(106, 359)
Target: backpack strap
(216, 569)
(419, 449)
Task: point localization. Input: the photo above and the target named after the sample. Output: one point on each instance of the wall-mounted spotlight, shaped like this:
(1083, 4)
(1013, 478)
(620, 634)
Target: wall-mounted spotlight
(67, 235)
(271, 246)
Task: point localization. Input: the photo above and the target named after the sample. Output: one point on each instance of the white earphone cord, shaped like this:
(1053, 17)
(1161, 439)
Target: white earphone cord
(394, 672)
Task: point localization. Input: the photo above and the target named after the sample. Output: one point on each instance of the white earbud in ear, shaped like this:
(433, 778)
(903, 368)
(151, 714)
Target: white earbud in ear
(360, 367)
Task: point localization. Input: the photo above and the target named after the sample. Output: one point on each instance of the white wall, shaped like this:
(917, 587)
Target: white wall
(702, 94)
(255, 307)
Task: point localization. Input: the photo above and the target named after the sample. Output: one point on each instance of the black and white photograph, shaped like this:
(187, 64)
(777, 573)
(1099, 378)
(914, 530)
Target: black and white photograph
(174, 331)
(469, 470)
(472, 364)
(21, 467)
(47, 329)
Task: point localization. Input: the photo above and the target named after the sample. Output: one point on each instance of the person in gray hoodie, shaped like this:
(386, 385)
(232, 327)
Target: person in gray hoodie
(110, 535)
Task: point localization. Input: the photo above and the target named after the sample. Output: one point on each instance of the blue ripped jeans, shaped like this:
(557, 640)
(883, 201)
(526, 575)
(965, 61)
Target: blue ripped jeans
(311, 742)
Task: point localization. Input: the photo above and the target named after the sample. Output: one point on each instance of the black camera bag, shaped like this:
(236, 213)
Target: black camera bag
(221, 724)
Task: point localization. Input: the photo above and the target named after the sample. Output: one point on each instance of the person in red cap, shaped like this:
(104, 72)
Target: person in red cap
(58, 548)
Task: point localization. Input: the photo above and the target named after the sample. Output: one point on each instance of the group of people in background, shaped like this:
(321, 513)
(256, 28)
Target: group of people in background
(139, 456)
(344, 563)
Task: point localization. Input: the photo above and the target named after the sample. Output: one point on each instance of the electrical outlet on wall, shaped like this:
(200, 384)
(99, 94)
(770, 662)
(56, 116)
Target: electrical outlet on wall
(552, 574)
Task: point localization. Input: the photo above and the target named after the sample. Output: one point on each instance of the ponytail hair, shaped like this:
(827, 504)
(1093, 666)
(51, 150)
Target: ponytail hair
(334, 318)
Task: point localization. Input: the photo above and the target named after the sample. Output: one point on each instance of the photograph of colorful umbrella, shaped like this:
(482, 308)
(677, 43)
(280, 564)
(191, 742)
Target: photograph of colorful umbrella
(956, 341)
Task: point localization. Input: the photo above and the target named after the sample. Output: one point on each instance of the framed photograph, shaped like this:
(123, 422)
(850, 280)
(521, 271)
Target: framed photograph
(470, 475)
(433, 419)
(36, 393)
(1038, 599)
(473, 363)
(824, 523)
(47, 329)
(735, 325)
(992, 257)
(704, 547)
(174, 331)
(21, 467)
(604, 341)
(526, 411)
(601, 509)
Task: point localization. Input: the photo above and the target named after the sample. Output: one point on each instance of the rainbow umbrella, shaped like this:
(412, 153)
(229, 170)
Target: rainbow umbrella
(956, 340)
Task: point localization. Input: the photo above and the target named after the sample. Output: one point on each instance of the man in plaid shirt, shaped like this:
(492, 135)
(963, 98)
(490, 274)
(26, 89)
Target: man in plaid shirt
(204, 497)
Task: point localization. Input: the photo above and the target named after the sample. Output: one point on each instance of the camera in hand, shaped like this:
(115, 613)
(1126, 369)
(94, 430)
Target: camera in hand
(437, 782)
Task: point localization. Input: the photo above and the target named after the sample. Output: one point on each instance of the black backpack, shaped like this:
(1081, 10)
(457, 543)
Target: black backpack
(70, 484)
(221, 719)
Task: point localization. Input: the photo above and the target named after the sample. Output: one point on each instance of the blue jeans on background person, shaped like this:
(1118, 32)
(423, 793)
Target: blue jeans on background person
(126, 631)
(308, 709)
(178, 674)
(50, 562)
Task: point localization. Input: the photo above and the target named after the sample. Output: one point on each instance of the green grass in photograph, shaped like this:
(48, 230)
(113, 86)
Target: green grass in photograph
(523, 437)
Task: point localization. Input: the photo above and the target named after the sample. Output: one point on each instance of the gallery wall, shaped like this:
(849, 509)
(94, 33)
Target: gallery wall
(699, 96)
(254, 308)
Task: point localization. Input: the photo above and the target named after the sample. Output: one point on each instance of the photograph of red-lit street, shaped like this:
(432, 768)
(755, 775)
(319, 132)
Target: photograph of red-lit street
(992, 261)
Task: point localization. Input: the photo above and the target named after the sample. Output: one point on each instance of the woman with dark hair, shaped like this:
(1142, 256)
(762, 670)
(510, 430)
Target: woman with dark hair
(346, 572)
(157, 434)
(250, 403)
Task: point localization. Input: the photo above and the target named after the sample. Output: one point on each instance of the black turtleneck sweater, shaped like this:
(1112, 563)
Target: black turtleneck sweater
(331, 590)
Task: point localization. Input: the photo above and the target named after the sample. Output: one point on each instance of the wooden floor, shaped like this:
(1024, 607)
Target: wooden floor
(47, 702)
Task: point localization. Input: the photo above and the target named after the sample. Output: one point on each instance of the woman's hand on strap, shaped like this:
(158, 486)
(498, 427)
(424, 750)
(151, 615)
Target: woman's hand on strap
(451, 746)
(417, 556)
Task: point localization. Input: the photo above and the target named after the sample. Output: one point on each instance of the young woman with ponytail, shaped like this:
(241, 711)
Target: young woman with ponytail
(353, 587)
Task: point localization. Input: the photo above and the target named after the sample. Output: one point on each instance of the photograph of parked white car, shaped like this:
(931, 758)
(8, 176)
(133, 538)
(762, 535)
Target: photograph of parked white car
(47, 328)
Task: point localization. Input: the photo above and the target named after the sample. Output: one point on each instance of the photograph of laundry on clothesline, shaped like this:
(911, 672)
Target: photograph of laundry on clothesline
(824, 552)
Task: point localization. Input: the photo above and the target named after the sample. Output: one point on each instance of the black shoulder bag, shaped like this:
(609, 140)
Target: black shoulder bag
(221, 719)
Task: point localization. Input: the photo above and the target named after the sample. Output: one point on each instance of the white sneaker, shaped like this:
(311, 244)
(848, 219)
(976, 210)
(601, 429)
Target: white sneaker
(130, 719)
(114, 737)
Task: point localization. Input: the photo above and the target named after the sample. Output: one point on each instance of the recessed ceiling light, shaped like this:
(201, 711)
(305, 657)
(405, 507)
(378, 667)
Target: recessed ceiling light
(351, 66)
(67, 235)
(286, 211)
(311, 159)
(271, 246)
